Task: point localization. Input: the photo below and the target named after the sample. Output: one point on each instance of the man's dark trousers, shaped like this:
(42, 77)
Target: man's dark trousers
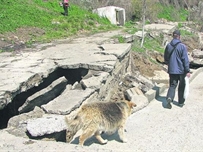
(65, 7)
(173, 82)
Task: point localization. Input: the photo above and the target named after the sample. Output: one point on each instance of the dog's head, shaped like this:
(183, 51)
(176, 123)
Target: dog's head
(130, 106)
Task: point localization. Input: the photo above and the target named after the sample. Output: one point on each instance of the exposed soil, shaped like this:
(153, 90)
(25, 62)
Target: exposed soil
(14, 41)
(191, 43)
(143, 64)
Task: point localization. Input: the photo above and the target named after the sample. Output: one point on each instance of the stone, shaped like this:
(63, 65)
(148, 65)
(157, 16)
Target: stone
(165, 28)
(48, 124)
(130, 93)
(68, 101)
(139, 34)
(22, 118)
(95, 81)
(151, 94)
(45, 95)
(160, 77)
(197, 53)
(141, 101)
(17, 124)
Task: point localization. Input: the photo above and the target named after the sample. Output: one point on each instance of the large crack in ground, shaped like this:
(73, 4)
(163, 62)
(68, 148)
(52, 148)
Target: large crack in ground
(12, 109)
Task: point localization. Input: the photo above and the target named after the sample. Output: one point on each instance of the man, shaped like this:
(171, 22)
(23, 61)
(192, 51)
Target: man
(65, 4)
(176, 57)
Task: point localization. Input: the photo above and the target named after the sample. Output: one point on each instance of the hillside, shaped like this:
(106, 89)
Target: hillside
(22, 27)
(26, 22)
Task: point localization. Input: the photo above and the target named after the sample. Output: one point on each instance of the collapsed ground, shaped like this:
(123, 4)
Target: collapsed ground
(22, 38)
(145, 64)
(17, 41)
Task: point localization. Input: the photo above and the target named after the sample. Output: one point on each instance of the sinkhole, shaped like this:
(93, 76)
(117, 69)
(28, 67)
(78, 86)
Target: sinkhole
(72, 76)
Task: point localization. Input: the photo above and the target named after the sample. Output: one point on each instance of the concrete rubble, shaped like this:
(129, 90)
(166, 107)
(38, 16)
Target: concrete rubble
(41, 126)
(55, 79)
(180, 129)
(44, 96)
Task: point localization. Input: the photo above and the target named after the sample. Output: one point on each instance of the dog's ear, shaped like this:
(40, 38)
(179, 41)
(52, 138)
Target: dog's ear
(132, 104)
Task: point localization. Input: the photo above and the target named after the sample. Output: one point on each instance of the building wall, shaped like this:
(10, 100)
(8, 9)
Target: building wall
(111, 12)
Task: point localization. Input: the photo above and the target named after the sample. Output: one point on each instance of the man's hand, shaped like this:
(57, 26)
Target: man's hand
(188, 74)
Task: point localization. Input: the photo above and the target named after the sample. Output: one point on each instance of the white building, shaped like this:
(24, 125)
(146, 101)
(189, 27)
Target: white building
(116, 15)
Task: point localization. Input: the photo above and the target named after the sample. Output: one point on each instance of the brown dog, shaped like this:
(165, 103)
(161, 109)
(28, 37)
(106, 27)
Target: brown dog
(98, 117)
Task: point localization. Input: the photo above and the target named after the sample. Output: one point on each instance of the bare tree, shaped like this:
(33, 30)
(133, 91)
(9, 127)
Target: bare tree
(143, 21)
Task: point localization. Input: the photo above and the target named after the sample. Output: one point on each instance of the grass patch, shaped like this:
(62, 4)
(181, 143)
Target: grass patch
(186, 33)
(121, 39)
(150, 44)
(47, 15)
(172, 14)
(130, 27)
(155, 44)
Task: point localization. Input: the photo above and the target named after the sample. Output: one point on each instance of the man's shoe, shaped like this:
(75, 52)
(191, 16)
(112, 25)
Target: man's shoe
(169, 100)
(180, 104)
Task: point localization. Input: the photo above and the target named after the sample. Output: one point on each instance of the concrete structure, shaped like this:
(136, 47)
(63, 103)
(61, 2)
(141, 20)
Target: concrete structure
(153, 128)
(116, 15)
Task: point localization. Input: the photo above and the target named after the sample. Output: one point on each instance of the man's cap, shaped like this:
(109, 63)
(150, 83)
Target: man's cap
(176, 32)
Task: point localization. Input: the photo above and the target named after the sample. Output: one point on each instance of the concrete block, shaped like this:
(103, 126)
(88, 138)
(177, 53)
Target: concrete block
(151, 94)
(130, 93)
(161, 88)
(141, 101)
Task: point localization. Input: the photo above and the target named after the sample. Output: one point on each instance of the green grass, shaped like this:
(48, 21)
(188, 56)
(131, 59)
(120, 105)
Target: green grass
(186, 33)
(150, 44)
(130, 27)
(153, 44)
(172, 14)
(47, 15)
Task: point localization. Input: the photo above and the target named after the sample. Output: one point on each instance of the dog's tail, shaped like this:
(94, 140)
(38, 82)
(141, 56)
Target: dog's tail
(73, 125)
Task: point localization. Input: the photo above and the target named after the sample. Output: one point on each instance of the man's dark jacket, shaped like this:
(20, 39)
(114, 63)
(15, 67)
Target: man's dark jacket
(178, 62)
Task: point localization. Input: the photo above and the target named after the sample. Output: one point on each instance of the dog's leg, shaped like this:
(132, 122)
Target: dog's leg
(122, 134)
(85, 135)
(99, 138)
(69, 136)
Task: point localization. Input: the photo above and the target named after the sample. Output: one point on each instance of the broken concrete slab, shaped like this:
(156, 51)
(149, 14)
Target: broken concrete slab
(40, 64)
(48, 124)
(45, 95)
(151, 94)
(165, 28)
(133, 92)
(145, 83)
(139, 34)
(68, 101)
(94, 82)
(17, 124)
(160, 77)
(141, 101)
(197, 53)
(17, 120)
